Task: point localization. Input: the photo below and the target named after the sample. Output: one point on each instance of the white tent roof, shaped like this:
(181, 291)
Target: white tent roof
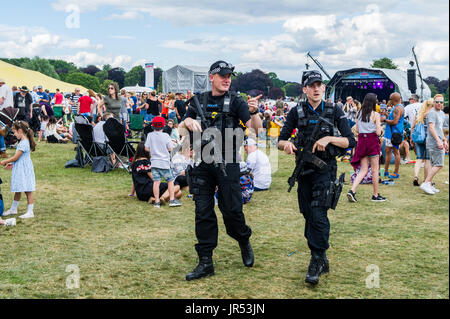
(194, 68)
(137, 89)
(400, 78)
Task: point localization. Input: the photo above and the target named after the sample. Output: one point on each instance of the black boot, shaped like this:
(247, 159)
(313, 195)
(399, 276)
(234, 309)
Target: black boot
(248, 258)
(317, 266)
(204, 268)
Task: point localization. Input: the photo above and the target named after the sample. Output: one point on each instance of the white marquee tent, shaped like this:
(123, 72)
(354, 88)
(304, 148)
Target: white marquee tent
(182, 78)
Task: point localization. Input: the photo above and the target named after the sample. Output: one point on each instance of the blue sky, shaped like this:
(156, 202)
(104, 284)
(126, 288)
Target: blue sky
(269, 35)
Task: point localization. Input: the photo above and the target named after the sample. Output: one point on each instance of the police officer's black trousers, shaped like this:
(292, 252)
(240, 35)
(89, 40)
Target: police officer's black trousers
(312, 201)
(206, 177)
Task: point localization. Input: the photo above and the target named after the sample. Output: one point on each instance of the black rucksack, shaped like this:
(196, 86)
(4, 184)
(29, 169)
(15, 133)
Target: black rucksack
(101, 164)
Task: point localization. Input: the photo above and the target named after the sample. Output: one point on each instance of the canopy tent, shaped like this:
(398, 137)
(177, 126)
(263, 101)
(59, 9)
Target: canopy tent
(137, 89)
(181, 78)
(358, 82)
(14, 75)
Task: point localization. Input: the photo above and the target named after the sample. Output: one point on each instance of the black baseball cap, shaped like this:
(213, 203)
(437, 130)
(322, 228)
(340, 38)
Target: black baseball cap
(222, 68)
(309, 77)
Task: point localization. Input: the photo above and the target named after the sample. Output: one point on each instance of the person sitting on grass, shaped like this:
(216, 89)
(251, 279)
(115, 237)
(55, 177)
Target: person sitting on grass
(159, 145)
(101, 139)
(142, 179)
(51, 133)
(179, 164)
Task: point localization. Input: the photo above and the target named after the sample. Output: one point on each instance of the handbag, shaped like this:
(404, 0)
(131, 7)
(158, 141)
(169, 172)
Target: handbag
(418, 135)
(396, 139)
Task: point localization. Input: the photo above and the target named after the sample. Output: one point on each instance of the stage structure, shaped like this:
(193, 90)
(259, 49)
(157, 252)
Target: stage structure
(358, 82)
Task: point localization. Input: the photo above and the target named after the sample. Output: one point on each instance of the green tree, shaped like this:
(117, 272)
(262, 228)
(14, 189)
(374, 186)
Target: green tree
(102, 76)
(160, 85)
(83, 79)
(63, 67)
(275, 80)
(135, 76)
(104, 86)
(16, 62)
(433, 89)
(384, 63)
(293, 89)
(107, 67)
(40, 65)
(236, 74)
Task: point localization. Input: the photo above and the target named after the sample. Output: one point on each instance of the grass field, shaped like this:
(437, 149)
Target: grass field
(124, 248)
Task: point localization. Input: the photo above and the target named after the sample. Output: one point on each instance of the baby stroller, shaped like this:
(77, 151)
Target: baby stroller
(7, 117)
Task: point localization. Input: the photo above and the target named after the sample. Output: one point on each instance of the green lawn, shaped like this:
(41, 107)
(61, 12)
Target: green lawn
(124, 248)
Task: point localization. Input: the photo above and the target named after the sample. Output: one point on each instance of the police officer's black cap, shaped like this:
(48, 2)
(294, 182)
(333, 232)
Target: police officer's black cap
(222, 68)
(309, 77)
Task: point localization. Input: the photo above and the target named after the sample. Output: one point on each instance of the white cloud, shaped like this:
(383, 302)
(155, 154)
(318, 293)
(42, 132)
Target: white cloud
(123, 37)
(21, 41)
(84, 58)
(77, 44)
(28, 46)
(208, 12)
(127, 15)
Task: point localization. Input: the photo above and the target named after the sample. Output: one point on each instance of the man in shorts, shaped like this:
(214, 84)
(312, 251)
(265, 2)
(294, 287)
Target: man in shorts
(436, 143)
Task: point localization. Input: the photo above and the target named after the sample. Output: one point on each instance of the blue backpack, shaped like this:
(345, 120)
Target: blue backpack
(419, 135)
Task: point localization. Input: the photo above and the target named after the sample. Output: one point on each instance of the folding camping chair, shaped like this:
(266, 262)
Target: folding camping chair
(136, 123)
(118, 143)
(58, 111)
(85, 142)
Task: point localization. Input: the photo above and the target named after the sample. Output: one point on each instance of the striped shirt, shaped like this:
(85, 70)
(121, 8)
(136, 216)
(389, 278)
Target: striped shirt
(74, 99)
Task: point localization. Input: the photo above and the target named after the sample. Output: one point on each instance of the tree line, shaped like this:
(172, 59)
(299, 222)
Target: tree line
(251, 83)
(91, 77)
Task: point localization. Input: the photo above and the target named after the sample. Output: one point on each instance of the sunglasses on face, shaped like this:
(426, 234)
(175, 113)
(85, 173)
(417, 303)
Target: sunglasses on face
(439, 102)
(111, 88)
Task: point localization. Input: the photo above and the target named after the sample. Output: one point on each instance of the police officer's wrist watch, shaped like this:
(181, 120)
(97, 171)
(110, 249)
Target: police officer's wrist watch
(255, 112)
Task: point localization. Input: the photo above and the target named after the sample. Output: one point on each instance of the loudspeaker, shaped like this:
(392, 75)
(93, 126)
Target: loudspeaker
(412, 85)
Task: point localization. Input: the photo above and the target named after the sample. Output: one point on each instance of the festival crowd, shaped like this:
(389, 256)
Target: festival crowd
(386, 132)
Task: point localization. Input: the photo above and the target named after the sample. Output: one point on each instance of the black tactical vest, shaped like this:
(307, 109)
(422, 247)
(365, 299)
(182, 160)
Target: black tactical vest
(221, 118)
(307, 122)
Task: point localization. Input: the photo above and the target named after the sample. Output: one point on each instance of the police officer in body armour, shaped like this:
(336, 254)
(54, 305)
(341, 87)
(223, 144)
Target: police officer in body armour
(221, 110)
(316, 149)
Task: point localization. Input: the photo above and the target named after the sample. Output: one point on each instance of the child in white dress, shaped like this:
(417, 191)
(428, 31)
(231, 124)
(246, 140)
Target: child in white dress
(22, 177)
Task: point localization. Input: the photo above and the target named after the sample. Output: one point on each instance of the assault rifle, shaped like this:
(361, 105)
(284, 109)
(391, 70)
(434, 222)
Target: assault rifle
(304, 155)
(218, 159)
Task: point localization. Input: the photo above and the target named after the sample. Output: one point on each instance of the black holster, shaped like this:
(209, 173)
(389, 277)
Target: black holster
(194, 181)
(334, 192)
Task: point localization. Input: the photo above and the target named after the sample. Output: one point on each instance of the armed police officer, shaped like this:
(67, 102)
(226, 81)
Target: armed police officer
(316, 148)
(222, 111)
